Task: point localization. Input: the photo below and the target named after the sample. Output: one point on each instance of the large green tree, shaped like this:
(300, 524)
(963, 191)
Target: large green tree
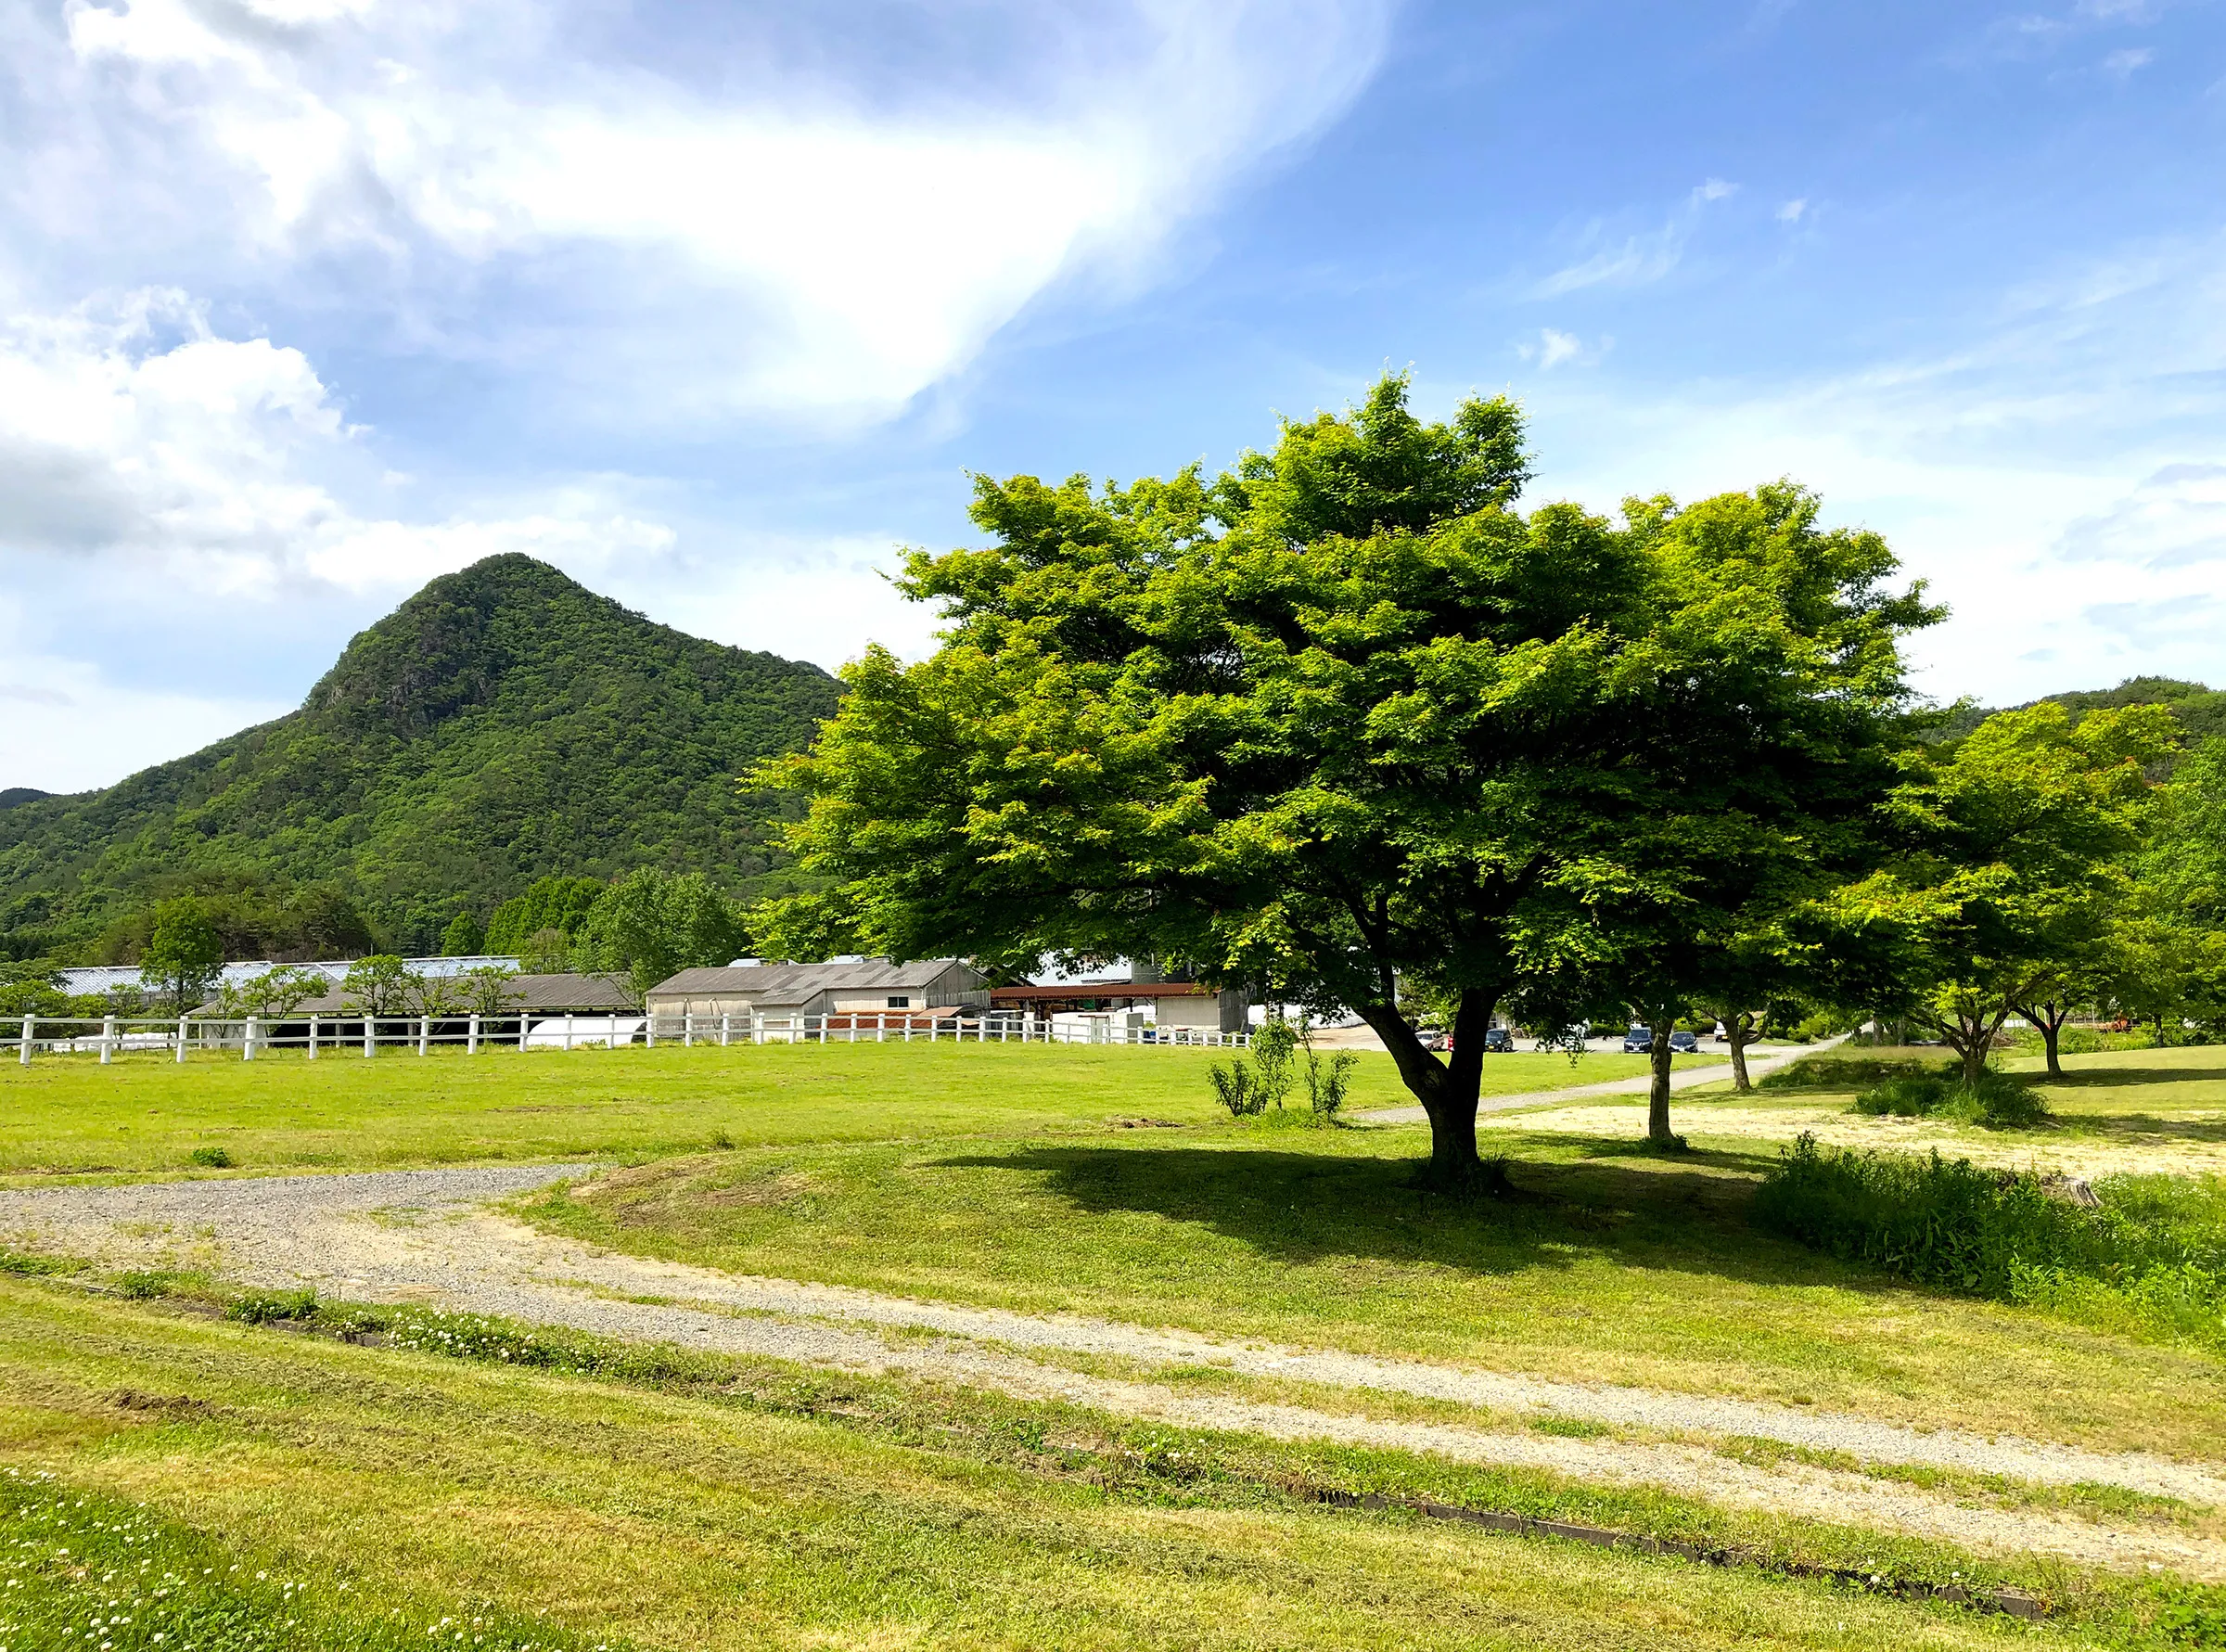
(1341, 717)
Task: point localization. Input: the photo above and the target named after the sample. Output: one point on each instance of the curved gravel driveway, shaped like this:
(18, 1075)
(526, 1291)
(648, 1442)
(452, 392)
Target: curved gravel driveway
(425, 1237)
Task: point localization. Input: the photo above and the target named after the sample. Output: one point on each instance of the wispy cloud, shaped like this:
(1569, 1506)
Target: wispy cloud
(2120, 65)
(1554, 347)
(1637, 258)
(1792, 212)
(774, 241)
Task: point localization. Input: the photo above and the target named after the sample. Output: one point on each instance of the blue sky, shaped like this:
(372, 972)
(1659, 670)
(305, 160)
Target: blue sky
(304, 302)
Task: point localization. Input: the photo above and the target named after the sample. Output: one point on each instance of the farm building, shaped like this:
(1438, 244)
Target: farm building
(865, 986)
(1173, 1006)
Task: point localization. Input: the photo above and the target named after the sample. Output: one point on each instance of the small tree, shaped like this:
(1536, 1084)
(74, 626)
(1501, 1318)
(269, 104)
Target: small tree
(545, 952)
(1273, 1046)
(490, 991)
(462, 938)
(2016, 847)
(184, 957)
(431, 996)
(381, 984)
(275, 992)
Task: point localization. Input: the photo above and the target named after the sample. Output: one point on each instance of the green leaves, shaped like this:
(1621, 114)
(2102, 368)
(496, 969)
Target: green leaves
(1344, 716)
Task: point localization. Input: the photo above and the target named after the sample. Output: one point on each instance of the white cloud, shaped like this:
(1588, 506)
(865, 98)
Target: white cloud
(1552, 347)
(226, 465)
(2120, 65)
(1791, 212)
(1637, 258)
(766, 241)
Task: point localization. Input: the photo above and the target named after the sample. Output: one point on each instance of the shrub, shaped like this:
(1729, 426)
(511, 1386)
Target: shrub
(1327, 1081)
(1997, 1100)
(1235, 1088)
(1850, 1072)
(214, 1158)
(1273, 1047)
(1911, 1095)
(260, 1307)
(2151, 1256)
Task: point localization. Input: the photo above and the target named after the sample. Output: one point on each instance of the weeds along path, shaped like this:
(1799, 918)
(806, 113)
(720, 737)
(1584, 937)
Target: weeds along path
(425, 1237)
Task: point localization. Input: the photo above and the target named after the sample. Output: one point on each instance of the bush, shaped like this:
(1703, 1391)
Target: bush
(260, 1307)
(214, 1158)
(2150, 1256)
(1999, 1102)
(1852, 1073)
(1996, 1101)
(1273, 1047)
(1326, 1082)
(1234, 1087)
(1910, 1096)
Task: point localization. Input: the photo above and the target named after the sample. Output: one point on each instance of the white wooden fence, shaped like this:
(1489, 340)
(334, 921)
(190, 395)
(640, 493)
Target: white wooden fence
(325, 1036)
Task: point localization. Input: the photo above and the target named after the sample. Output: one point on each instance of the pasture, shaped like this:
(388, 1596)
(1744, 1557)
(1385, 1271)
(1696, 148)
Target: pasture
(957, 1488)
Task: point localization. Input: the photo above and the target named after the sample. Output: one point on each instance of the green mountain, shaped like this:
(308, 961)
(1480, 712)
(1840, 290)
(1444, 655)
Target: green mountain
(502, 724)
(2201, 711)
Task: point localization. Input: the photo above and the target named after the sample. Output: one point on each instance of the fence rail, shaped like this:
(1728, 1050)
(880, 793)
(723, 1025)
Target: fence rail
(313, 1037)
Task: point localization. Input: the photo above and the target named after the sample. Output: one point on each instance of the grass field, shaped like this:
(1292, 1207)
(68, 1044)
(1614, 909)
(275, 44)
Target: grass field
(1612, 1266)
(528, 1507)
(361, 1497)
(145, 1114)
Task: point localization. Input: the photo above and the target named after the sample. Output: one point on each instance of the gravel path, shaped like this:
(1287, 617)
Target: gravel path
(422, 1235)
(1682, 1079)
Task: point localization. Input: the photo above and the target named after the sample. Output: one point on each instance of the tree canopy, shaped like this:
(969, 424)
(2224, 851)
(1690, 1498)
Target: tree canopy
(1345, 716)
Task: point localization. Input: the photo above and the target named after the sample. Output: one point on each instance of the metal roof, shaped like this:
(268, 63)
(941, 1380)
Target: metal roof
(101, 977)
(793, 983)
(533, 994)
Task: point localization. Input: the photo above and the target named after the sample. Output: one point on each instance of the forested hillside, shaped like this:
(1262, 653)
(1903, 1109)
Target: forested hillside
(2201, 711)
(502, 724)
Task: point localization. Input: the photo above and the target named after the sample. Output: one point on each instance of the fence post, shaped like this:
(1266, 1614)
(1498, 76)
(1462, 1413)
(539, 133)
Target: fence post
(108, 1037)
(568, 1029)
(181, 1041)
(525, 1028)
(247, 1040)
(648, 1027)
(313, 1038)
(23, 1057)
(370, 1035)
(471, 1034)
(425, 1033)
(687, 1029)
(727, 1031)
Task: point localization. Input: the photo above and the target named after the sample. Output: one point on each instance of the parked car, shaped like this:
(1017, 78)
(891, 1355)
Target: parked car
(1683, 1043)
(1498, 1039)
(1434, 1038)
(1638, 1041)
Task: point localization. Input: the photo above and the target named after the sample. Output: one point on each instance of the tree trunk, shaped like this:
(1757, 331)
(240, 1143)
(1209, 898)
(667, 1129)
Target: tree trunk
(1447, 1090)
(1734, 1026)
(1657, 1093)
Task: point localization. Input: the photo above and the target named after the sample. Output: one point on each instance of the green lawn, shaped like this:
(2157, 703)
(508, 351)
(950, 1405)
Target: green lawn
(143, 1114)
(1613, 1265)
(330, 1494)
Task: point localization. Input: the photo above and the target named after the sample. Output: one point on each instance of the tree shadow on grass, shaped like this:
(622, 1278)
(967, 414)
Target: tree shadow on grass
(2145, 1126)
(2112, 1078)
(1675, 1215)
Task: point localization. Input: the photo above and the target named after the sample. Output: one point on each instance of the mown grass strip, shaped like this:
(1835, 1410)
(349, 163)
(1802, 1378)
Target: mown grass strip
(1156, 1462)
